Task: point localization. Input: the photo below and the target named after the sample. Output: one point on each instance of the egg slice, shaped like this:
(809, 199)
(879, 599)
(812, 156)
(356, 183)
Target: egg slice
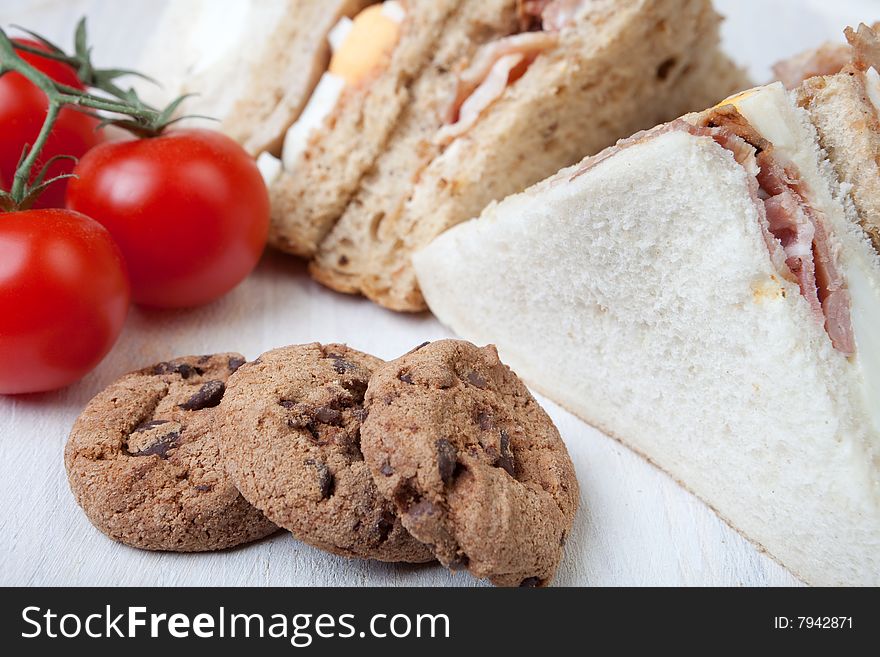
(369, 41)
(360, 47)
(736, 99)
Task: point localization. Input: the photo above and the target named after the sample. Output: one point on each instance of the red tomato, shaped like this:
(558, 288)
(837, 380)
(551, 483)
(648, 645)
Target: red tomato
(22, 110)
(58, 71)
(64, 295)
(189, 210)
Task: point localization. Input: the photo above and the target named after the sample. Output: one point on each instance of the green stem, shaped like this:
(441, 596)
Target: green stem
(145, 120)
(63, 94)
(96, 102)
(23, 172)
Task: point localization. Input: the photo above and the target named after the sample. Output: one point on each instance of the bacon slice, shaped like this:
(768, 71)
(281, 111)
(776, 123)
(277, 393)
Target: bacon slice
(547, 15)
(529, 12)
(835, 297)
(809, 252)
(490, 90)
(559, 13)
(790, 225)
(496, 65)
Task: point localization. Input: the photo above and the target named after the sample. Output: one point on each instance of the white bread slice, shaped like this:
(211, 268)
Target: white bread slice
(849, 130)
(641, 296)
(622, 66)
(845, 110)
(253, 65)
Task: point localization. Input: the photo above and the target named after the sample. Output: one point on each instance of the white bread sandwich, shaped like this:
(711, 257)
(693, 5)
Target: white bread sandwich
(706, 293)
(250, 65)
(475, 101)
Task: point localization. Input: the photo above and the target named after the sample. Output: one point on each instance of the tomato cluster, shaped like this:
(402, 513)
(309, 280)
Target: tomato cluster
(22, 110)
(169, 221)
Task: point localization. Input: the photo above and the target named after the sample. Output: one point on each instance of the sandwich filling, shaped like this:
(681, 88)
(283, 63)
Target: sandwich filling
(792, 223)
(499, 64)
(796, 231)
(361, 48)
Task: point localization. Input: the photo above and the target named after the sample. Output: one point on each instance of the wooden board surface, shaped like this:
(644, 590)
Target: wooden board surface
(635, 527)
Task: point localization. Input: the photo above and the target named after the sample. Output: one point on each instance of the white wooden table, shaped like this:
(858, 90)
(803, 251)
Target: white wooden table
(635, 527)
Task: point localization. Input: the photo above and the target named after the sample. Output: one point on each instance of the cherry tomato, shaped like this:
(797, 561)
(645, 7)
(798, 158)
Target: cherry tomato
(64, 295)
(58, 71)
(22, 111)
(189, 211)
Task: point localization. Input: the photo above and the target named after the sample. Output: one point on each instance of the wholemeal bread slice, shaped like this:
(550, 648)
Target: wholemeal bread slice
(252, 65)
(617, 67)
(641, 290)
(313, 191)
(338, 260)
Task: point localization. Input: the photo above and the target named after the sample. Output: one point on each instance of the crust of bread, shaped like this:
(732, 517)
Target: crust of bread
(629, 65)
(849, 132)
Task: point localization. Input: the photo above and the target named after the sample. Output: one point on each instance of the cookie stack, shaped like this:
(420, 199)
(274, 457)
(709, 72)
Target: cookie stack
(442, 453)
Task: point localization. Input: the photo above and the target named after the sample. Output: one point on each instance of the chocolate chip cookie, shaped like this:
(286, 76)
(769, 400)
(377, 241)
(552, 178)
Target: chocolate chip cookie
(144, 464)
(291, 439)
(473, 465)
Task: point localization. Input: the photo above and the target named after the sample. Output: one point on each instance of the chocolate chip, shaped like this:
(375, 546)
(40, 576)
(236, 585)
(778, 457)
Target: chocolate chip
(342, 400)
(384, 525)
(460, 562)
(204, 359)
(357, 388)
(447, 459)
(359, 414)
(204, 488)
(476, 380)
(208, 396)
(484, 420)
(328, 415)
(406, 496)
(234, 363)
(146, 426)
(326, 482)
(313, 432)
(287, 403)
(415, 349)
(406, 377)
(421, 509)
(341, 365)
(531, 582)
(303, 423)
(386, 469)
(183, 369)
(161, 447)
(505, 459)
